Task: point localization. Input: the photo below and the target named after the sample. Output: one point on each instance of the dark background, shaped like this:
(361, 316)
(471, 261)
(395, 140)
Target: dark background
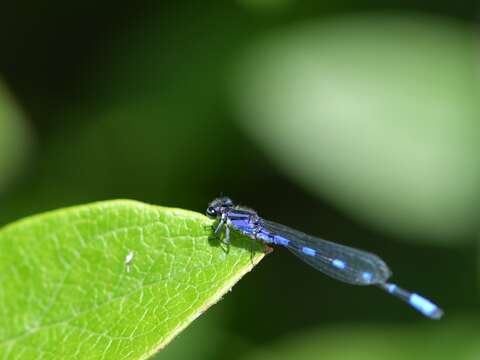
(171, 103)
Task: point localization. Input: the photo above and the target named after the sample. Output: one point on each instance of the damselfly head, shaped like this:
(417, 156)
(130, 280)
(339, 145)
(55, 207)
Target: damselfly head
(216, 207)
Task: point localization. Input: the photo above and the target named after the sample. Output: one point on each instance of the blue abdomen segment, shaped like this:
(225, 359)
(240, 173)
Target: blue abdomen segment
(269, 238)
(425, 306)
(339, 264)
(308, 251)
(418, 302)
(280, 240)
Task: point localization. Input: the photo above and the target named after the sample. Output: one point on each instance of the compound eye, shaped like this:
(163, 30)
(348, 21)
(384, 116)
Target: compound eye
(211, 211)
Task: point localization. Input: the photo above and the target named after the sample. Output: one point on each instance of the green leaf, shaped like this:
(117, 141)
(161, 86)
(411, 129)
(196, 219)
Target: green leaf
(377, 113)
(66, 290)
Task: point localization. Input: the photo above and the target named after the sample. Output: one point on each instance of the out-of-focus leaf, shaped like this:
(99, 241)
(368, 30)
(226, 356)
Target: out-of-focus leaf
(450, 340)
(67, 290)
(14, 139)
(377, 113)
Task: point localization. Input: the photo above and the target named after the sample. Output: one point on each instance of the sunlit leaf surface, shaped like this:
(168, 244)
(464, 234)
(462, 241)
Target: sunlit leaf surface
(111, 280)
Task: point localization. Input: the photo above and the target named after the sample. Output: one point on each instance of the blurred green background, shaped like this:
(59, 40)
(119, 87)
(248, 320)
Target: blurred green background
(355, 121)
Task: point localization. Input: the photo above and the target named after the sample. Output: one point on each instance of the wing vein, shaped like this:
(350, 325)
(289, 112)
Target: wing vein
(340, 262)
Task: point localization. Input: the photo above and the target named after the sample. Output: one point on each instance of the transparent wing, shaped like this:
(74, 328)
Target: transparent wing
(341, 262)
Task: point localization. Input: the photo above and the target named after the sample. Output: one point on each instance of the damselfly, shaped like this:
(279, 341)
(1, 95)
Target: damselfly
(341, 262)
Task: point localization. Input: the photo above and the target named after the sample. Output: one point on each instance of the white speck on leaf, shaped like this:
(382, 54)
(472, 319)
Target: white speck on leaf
(128, 260)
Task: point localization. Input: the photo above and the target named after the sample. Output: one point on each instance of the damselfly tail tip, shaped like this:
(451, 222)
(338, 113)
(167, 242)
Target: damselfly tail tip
(418, 302)
(437, 314)
(425, 306)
